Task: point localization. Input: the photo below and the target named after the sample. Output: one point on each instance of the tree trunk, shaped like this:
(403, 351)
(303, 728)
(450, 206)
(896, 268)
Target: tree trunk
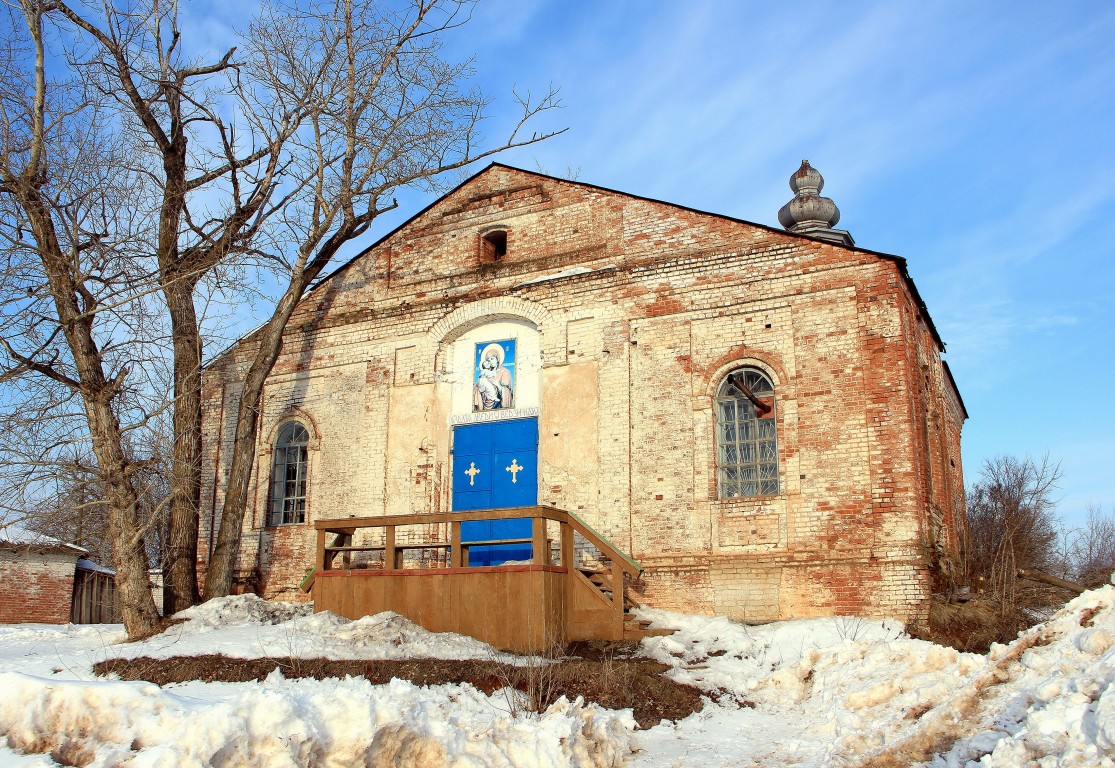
(1045, 578)
(137, 606)
(97, 393)
(76, 307)
(180, 589)
(226, 552)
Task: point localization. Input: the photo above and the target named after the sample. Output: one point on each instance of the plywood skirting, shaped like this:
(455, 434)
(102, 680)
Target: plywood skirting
(516, 608)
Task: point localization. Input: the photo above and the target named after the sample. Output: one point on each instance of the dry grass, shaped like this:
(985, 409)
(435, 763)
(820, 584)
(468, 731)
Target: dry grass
(972, 626)
(73, 753)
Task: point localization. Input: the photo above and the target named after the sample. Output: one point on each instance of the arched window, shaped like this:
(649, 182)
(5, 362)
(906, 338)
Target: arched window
(288, 476)
(746, 437)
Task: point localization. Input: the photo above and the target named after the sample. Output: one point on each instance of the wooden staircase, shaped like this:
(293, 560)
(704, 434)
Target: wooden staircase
(633, 628)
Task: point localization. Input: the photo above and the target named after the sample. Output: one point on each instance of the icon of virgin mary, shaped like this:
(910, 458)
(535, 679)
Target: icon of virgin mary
(494, 386)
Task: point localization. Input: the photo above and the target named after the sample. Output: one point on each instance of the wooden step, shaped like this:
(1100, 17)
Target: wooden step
(637, 628)
(604, 583)
(639, 634)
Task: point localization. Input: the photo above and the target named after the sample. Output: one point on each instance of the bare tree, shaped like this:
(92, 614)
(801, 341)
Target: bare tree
(389, 111)
(1012, 525)
(172, 106)
(67, 229)
(1092, 549)
(72, 507)
(175, 166)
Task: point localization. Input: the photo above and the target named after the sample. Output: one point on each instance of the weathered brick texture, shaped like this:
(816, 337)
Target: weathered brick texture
(628, 314)
(36, 587)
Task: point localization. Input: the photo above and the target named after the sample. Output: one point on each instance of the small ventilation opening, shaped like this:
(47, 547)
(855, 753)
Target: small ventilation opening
(493, 246)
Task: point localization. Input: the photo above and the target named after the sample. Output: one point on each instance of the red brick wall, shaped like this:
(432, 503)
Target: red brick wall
(868, 424)
(35, 587)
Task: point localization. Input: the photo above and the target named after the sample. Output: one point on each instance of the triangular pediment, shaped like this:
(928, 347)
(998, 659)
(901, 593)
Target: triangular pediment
(554, 227)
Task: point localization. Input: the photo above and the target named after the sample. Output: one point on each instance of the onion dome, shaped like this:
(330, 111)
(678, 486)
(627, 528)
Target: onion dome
(808, 212)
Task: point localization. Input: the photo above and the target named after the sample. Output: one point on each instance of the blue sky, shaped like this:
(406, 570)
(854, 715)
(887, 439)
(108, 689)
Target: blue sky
(973, 138)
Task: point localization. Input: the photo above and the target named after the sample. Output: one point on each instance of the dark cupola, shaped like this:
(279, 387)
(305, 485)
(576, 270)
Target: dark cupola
(808, 213)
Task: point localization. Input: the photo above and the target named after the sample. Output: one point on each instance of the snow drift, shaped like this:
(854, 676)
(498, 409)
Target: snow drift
(248, 627)
(859, 693)
(814, 693)
(329, 723)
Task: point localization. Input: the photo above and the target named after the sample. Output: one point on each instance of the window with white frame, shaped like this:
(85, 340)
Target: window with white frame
(288, 476)
(746, 436)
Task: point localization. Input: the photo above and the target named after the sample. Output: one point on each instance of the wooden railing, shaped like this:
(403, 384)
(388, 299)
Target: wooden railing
(345, 528)
(554, 599)
(592, 602)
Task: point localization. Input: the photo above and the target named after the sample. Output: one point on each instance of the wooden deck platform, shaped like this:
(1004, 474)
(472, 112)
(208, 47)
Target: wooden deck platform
(525, 607)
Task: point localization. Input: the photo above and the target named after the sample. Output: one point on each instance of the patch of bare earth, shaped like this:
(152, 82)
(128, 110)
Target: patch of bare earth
(615, 683)
(971, 626)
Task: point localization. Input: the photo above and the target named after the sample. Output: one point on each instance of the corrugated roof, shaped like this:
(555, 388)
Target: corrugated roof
(16, 536)
(89, 565)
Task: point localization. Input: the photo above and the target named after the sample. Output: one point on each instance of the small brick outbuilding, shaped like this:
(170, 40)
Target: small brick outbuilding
(36, 577)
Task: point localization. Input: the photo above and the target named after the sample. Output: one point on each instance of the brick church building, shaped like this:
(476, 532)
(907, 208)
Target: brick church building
(760, 417)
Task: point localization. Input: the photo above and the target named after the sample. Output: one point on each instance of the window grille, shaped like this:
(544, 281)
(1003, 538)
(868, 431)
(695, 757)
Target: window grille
(746, 436)
(288, 476)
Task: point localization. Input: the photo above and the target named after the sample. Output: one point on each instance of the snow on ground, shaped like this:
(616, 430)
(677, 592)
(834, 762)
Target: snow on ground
(283, 722)
(849, 691)
(53, 703)
(246, 627)
(812, 693)
(47, 649)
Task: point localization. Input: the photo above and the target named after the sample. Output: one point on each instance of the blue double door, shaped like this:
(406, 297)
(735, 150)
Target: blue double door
(495, 466)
